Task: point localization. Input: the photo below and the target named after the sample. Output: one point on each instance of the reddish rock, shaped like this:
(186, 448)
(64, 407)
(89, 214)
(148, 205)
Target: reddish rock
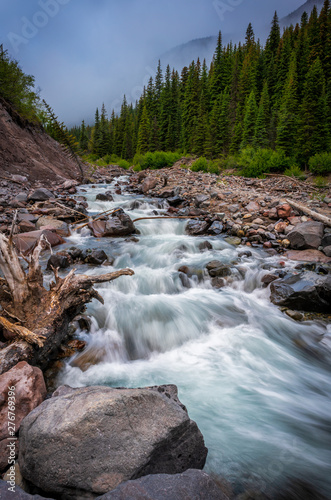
(280, 227)
(267, 244)
(294, 220)
(252, 207)
(308, 256)
(284, 211)
(30, 392)
(26, 226)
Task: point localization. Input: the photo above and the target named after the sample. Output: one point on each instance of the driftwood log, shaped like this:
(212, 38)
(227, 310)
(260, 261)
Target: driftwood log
(38, 318)
(307, 211)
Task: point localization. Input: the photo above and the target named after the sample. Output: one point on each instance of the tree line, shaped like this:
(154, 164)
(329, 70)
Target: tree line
(276, 96)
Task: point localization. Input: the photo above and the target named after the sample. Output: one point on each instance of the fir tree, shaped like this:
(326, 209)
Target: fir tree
(83, 138)
(144, 133)
(288, 115)
(262, 125)
(250, 113)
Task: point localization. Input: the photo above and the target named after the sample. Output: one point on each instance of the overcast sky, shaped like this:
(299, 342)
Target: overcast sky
(85, 52)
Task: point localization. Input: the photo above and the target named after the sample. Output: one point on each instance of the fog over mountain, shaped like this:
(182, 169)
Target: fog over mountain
(85, 52)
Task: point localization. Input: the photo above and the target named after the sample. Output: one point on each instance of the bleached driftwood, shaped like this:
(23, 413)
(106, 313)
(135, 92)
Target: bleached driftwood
(307, 211)
(44, 314)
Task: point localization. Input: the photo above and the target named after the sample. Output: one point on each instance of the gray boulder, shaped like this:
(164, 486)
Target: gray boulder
(190, 485)
(216, 228)
(307, 292)
(15, 493)
(41, 194)
(85, 442)
(107, 196)
(306, 235)
(196, 228)
(216, 268)
(200, 199)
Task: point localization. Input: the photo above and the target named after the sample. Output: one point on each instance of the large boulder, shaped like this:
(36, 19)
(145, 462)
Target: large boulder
(26, 242)
(85, 442)
(307, 292)
(59, 226)
(119, 224)
(306, 235)
(190, 485)
(40, 194)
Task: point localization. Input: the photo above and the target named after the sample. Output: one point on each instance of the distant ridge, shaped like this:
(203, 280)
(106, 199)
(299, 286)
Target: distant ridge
(295, 16)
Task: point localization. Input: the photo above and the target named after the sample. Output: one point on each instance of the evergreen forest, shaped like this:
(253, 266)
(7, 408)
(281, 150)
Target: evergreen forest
(270, 102)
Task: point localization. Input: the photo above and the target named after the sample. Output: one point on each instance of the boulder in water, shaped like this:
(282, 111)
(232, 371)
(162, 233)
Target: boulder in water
(84, 442)
(196, 228)
(191, 484)
(119, 224)
(307, 292)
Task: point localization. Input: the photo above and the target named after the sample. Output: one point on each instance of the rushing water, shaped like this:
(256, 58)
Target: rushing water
(257, 383)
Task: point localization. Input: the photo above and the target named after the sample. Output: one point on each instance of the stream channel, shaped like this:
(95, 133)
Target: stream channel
(261, 399)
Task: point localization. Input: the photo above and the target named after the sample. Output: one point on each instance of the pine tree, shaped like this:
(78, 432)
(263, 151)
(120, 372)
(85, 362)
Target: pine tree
(144, 133)
(313, 134)
(262, 125)
(83, 138)
(95, 139)
(288, 115)
(249, 121)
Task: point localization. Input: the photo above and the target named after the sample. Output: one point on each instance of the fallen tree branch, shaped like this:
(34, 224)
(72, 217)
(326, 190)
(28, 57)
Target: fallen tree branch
(314, 215)
(22, 332)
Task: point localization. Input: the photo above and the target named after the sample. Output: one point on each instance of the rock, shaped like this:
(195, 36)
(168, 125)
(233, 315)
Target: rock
(201, 198)
(218, 282)
(196, 228)
(190, 485)
(284, 211)
(269, 278)
(307, 291)
(205, 245)
(119, 224)
(296, 315)
(216, 228)
(216, 268)
(96, 257)
(70, 183)
(59, 226)
(326, 240)
(306, 235)
(245, 253)
(17, 494)
(174, 201)
(30, 391)
(327, 251)
(87, 441)
(252, 207)
(40, 194)
(75, 253)
(60, 260)
(280, 227)
(26, 226)
(107, 196)
(233, 240)
(148, 184)
(308, 256)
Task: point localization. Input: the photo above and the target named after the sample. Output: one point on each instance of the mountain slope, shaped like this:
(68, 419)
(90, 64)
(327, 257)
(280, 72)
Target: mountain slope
(295, 16)
(27, 150)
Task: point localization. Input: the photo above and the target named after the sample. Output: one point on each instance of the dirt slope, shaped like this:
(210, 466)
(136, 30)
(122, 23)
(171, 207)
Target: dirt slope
(26, 150)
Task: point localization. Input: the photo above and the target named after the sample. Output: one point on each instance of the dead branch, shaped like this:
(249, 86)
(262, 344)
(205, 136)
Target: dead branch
(22, 332)
(314, 215)
(12, 270)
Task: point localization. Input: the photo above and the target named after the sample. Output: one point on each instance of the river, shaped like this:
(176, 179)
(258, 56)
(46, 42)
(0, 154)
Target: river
(257, 383)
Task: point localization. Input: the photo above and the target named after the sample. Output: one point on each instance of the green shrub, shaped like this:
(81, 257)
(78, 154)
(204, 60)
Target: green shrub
(124, 164)
(320, 182)
(200, 165)
(157, 160)
(256, 162)
(295, 171)
(320, 163)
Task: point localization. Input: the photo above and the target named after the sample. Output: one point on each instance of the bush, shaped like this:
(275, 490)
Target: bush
(320, 182)
(124, 164)
(204, 165)
(157, 160)
(256, 162)
(295, 171)
(200, 165)
(320, 163)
